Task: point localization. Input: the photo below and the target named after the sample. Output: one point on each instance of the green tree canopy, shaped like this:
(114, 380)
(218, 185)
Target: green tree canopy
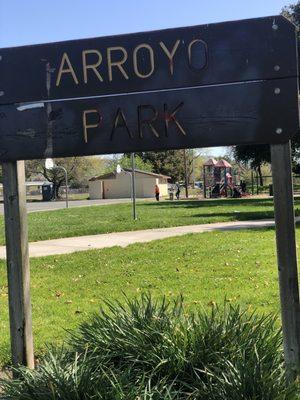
(170, 162)
(125, 162)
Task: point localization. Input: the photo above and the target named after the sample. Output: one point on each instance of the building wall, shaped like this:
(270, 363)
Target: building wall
(95, 190)
(117, 188)
(145, 186)
(163, 187)
(120, 187)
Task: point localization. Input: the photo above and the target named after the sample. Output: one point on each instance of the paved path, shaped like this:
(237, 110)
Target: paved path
(57, 205)
(123, 239)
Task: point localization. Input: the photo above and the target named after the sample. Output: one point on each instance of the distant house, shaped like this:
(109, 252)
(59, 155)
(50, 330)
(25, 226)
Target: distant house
(117, 186)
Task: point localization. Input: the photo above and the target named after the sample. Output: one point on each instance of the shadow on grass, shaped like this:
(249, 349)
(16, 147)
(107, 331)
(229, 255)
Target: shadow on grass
(212, 203)
(238, 216)
(216, 203)
(242, 228)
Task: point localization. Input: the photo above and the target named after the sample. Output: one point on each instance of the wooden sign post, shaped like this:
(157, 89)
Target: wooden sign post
(210, 85)
(286, 254)
(18, 275)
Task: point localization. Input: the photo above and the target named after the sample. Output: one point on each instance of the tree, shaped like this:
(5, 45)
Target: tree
(172, 163)
(125, 162)
(292, 12)
(79, 170)
(168, 162)
(257, 155)
(195, 160)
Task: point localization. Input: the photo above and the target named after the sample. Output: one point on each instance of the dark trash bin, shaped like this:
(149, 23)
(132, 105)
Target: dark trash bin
(47, 191)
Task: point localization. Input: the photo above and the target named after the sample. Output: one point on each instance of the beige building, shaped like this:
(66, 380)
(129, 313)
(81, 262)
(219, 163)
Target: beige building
(118, 186)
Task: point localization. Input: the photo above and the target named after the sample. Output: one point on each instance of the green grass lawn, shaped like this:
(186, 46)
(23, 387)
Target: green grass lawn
(118, 217)
(205, 268)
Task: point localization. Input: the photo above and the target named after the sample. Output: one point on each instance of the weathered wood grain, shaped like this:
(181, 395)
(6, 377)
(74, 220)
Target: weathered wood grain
(16, 233)
(254, 49)
(210, 116)
(286, 255)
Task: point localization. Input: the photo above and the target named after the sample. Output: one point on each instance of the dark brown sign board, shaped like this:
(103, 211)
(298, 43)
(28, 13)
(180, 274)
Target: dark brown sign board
(220, 53)
(208, 85)
(200, 117)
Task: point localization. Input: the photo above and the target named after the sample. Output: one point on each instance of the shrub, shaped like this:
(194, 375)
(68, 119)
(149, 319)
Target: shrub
(149, 349)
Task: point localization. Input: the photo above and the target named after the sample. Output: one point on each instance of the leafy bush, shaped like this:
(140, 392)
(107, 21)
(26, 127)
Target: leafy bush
(150, 349)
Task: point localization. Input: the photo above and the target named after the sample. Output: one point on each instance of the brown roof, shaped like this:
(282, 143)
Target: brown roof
(112, 175)
(210, 162)
(223, 164)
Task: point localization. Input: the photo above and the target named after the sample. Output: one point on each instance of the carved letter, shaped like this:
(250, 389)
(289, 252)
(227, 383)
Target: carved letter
(199, 60)
(171, 54)
(118, 64)
(170, 117)
(120, 122)
(135, 63)
(68, 70)
(93, 67)
(86, 126)
(147, 122)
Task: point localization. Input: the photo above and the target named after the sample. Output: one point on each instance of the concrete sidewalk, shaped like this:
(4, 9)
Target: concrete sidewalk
(123, 239)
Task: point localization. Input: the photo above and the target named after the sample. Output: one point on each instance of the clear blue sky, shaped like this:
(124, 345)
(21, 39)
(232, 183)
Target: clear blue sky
(40, 21)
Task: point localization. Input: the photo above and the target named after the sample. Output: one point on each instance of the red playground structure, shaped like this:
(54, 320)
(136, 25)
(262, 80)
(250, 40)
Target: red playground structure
(218, 180)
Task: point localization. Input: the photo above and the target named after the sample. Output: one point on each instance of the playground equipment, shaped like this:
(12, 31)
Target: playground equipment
(218, 180)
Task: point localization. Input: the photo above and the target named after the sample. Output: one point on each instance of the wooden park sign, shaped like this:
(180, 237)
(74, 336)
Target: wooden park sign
(210, 85)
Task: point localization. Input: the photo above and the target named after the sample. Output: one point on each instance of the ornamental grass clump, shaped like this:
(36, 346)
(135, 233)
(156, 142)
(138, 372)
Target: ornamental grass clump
(154, 349)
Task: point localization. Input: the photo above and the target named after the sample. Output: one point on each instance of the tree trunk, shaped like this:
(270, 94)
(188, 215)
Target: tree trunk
(261, 181)
(54, 191)
(55, 194)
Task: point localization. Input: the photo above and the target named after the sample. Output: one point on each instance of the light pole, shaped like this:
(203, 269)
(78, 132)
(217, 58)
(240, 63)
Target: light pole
(185, 174)
(49, 164)
(133, 186)
(119, 169)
